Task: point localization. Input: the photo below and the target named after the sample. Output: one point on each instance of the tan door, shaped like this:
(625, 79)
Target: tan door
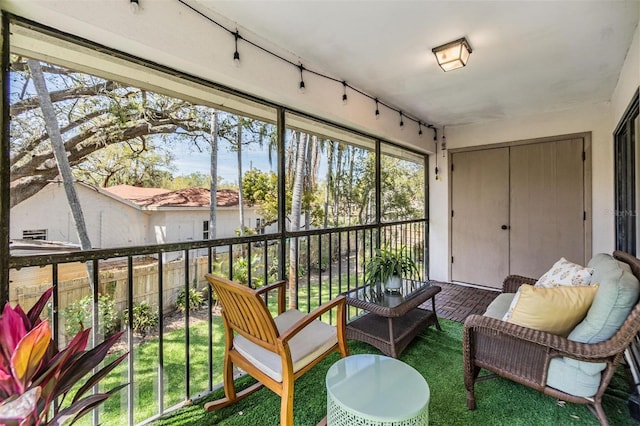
(547, 206)
(480, 208)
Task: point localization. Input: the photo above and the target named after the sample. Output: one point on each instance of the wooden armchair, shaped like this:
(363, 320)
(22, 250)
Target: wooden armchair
(274, 351)
(524, 355)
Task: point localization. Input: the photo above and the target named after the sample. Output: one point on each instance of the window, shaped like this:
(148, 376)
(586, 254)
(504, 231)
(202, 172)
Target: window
(34, 234)
(205, 230)
(627, 179)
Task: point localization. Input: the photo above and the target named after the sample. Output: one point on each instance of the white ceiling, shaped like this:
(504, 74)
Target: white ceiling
(528, 56)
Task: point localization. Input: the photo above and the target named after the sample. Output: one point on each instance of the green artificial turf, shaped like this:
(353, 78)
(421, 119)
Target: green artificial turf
(437, 355)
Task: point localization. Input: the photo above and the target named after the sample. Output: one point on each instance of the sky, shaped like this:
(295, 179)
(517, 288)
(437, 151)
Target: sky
(188, 160)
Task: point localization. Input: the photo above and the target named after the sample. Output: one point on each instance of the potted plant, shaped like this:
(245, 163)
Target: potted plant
(34, 373)
(388, 267)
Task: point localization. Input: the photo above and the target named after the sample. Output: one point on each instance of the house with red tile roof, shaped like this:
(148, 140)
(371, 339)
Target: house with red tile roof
(125, 215)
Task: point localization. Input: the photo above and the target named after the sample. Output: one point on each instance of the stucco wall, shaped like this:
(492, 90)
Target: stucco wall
(600, 120)
(110, 223)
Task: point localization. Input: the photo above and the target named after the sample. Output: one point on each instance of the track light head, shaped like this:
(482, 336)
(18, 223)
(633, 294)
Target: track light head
(344, 92)
(236, 54)
(301, 86)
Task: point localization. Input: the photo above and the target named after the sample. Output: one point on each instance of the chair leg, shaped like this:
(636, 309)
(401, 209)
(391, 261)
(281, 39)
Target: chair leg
(286, 404)
(598, 411)
(231, 396)
(221, 403)
(471, 400)
(470, 384)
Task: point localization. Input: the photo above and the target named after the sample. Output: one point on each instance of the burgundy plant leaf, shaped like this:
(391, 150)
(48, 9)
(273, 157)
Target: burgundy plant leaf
(61, 361)
(20, 408)
(8, 385)
(98, 376)
(78, 409)
(85, 363)
(36, 310)
(25, 319)
(12, 329)
(93, 405)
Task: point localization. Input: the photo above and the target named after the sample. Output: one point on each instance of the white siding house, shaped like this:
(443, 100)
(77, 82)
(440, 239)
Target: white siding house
(126, 216)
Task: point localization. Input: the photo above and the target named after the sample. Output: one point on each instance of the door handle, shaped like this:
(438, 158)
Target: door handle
(505, 227)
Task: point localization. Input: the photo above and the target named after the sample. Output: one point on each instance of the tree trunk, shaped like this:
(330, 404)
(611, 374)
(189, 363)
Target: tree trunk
(329, 182)
(296, 210)
(240, 194)
(60, 154)
(351, 166)
(213, 186)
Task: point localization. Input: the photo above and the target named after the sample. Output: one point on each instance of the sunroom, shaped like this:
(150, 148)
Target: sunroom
(327, 131)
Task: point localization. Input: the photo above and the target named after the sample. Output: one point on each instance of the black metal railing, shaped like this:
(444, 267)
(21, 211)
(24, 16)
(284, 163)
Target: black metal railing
(178, 356)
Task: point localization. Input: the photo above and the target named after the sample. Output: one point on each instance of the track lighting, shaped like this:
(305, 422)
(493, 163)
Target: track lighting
(344, 93)
(301, 86)
(443, 146)
(134, 5)
(236, 54)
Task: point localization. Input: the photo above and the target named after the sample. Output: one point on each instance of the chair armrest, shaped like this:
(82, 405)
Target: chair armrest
(512, 283)
(280, 287)
(561, 346)
(339, 303)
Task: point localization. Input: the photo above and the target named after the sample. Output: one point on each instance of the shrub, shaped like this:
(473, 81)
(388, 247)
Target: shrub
(145, 318)
(78, 316)
(196, 300)
(35, 374)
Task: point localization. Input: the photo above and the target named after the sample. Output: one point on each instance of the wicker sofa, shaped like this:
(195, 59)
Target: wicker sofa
(576, 368)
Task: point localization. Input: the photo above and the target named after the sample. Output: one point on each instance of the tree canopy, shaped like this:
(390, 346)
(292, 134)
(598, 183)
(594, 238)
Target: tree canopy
(115, 133)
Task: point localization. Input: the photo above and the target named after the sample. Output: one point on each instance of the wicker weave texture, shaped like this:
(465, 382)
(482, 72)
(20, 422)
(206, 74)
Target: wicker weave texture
(391, 328)
(523, 355)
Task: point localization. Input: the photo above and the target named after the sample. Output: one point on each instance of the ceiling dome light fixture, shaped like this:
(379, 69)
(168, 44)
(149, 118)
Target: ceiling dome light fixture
(453, 55)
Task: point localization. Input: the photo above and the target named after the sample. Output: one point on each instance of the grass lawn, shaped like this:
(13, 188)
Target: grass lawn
(146, 361)
(438, 357)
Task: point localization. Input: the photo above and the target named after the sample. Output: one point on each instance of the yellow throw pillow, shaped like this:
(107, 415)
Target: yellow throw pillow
(556, 310)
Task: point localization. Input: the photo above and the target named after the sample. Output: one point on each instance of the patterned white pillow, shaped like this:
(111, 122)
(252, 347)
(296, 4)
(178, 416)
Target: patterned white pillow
(513, 304)
(564, 272)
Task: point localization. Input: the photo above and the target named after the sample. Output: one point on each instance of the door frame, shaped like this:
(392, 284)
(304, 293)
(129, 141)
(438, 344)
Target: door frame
(587, 176)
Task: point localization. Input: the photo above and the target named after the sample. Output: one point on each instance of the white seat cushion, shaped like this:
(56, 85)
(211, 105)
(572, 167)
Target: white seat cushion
(305, 347)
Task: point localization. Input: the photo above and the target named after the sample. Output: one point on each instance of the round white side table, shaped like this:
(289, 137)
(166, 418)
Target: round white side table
(376, 390)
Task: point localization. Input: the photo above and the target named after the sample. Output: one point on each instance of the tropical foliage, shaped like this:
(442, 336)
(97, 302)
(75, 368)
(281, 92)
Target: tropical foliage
(387, 262)
(145, 318)
(77, 316)
(33, 373)
(195, 300)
